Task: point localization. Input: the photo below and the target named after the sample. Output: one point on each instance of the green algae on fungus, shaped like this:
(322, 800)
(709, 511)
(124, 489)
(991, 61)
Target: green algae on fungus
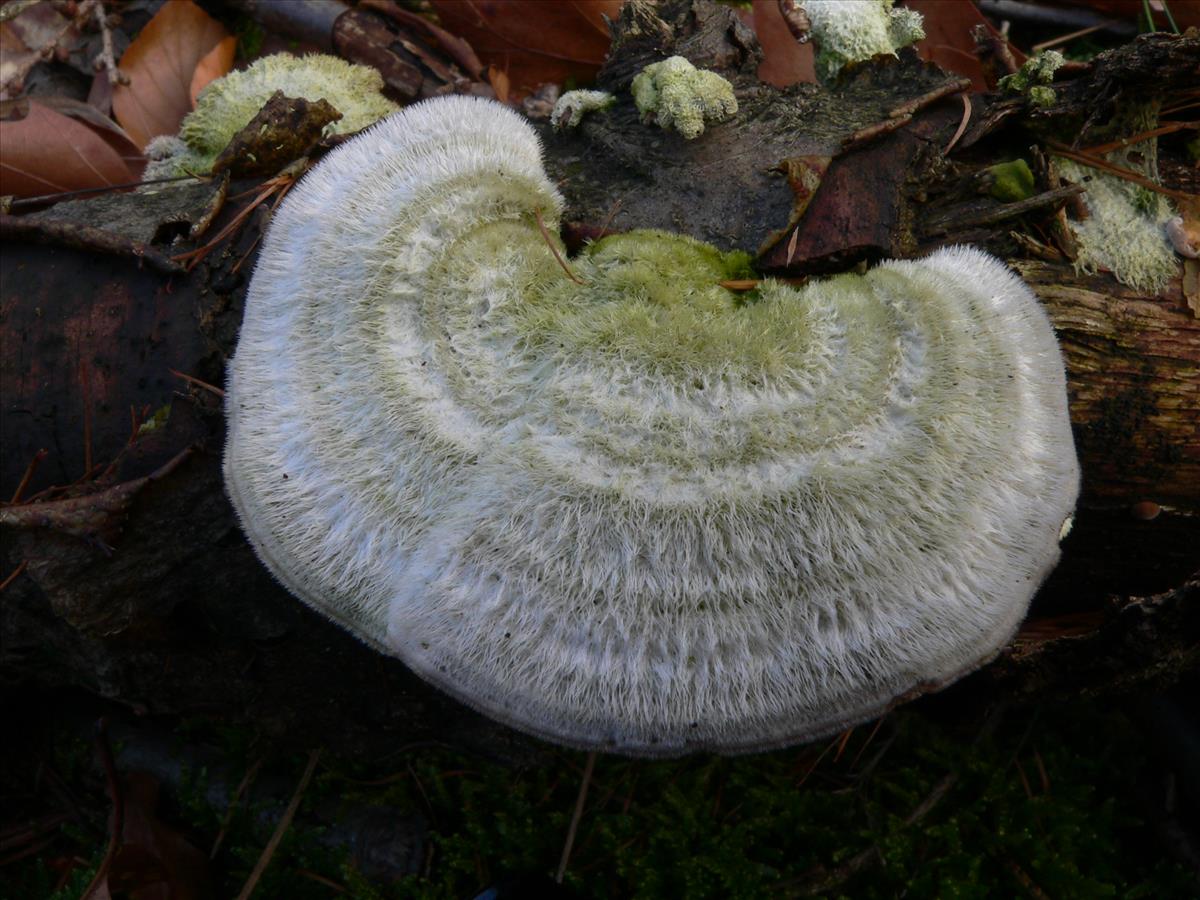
(227, 104)
(675, 94)
(850, 31)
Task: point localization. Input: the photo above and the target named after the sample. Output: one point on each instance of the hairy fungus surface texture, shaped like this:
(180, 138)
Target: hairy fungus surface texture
(640, 513)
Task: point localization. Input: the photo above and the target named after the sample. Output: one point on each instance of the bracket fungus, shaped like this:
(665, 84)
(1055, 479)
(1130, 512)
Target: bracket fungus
(631, 510)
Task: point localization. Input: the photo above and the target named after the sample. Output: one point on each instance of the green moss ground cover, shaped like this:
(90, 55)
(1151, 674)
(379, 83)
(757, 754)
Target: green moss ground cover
(1048, 802)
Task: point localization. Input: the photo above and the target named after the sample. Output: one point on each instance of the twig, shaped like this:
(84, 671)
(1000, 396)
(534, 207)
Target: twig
(903, 114)
(83, 516)
(107, 189)
(192, 258)
(843, 742)
(537, 214)
(34, 841)
(962, 126)
(238, 793)
(85, 376)
(1070, 36)
(322, 880)
(429, 807)
(118, 800)
(994, 47)
(749, 284)
(1042, 774)
(106, 58)
(575, 817)
(12, 576)
(1184, 100)
(915, 105)
(826, 881)
(1068, 17)
(932, 799)
(191, 379)
(1168, 128)
(974, 216)
(85, 237)
(281, 829)
(1023, 877)
(1104, 165)
(212, 208)
(816, 762)
(873, 131)
(867, 742)
(280, 183)
(29, 470)
(1036, 248)
(612, 214)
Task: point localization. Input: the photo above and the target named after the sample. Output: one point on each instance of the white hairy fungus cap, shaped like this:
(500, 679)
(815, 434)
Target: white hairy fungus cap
(639, 513)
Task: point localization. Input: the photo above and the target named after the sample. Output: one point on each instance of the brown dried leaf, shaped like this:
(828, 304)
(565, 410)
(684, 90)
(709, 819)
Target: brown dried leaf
(499, 82)
(154, 861)
(949, 41)
(215, 63)
(533, 41)
(785, 60)
(161, 64)
(108, 130)
(47, 152)
(27, 38)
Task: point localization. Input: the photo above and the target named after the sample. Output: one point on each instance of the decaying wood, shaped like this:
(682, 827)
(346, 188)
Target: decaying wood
(182, 618)
(85, 237)
(1134, 378)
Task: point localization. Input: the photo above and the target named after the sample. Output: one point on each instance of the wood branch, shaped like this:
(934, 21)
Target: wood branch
(85, 237)
(973, 215)
(1131, 364)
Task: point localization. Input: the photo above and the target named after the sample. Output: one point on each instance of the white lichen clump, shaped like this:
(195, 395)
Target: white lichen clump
(1126, 231)
(675, 94)
(637, 513)
(572, 106)
(228, 104)
(848, 31)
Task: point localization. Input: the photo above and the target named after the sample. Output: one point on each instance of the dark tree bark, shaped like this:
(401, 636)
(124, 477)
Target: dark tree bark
(137, 584)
